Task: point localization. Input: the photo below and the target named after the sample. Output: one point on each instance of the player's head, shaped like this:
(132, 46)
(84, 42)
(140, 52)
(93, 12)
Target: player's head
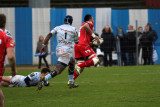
(68, 20)
(2, 21)
(88, 17)
(45, 71)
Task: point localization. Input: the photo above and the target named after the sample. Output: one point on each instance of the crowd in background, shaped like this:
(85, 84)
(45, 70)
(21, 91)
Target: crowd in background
(128, 42)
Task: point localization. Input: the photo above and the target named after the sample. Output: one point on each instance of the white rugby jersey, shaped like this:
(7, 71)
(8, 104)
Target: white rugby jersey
(34, 79)
(66, 35)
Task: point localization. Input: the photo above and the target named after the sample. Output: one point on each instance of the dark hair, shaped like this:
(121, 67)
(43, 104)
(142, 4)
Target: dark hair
(2, 20)
(87, 17)
(45, 70)
(150, 26)
(68, 20)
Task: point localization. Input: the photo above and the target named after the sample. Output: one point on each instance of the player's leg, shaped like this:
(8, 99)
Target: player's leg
(87, 51)
(58, 69)
(40, 60)
(71, 65)
(1, 93)
(78, 70)
(92, 60)
(63, 61)
(79, 59)
(1, 98)
(44, 58)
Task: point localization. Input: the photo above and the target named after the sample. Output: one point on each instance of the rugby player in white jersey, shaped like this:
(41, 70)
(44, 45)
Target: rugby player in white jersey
(66, 38)
(25, 81)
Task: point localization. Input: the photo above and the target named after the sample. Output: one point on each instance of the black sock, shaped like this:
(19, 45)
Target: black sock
(53, 73)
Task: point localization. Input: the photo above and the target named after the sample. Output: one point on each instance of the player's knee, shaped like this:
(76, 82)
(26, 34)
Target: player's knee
(95, 60)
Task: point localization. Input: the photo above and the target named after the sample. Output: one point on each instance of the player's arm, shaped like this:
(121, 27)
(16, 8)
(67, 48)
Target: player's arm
(11, 60)
(76, 38)
(45, 43)
(88, 30)
(53, 32)
(46, 83)
(47, 38)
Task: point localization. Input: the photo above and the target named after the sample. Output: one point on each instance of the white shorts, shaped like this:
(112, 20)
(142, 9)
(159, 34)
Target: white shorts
(17, 81)
(63, 55)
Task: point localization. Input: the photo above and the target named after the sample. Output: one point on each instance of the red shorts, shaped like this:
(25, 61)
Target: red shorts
(83, 51)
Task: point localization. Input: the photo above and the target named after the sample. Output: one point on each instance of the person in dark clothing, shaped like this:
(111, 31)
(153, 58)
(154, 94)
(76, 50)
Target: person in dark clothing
(123, 45)
(155, 37)
(130, 38)
(108, 45)
(39, 46)
(147, 47)
(140, 34)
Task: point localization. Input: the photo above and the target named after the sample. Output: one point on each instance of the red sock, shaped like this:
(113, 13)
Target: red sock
(86, 63)
(75, 75)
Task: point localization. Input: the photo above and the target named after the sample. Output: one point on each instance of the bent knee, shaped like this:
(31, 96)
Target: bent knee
(95, 60)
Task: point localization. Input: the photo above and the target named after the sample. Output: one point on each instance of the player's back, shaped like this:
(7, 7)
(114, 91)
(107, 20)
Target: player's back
(2, 48)
(34, 77)
(84, 36)
(66, 35)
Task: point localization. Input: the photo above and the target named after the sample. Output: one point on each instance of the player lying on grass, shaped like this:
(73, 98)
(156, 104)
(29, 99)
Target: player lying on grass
(25, 81)
(66, 38)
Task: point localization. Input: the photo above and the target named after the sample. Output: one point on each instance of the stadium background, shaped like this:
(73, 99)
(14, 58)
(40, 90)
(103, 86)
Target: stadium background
(26, 24)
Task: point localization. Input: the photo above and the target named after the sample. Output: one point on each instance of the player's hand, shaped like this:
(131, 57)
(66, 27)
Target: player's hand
(91, 44)
(13, 73)
(43, 49)
(96, 38)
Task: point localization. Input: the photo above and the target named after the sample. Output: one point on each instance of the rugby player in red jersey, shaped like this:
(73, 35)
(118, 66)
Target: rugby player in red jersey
(6, 47)
(83, 49)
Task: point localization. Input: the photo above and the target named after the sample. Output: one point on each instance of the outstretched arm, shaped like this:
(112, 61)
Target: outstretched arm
(45, 43)
(47, 38)
(11, 60)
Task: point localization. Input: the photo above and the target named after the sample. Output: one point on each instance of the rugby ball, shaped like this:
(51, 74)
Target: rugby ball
(96, 43)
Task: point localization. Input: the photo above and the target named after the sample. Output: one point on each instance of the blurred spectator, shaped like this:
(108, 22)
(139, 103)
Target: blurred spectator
(130, 37)
(123, 45)
(155, 37)
(147, 46)
(108, 45)
(140, 34)
(39, 46)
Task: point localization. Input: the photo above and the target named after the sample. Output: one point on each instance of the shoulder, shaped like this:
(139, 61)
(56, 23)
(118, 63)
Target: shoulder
(8, 33)
(89, 22)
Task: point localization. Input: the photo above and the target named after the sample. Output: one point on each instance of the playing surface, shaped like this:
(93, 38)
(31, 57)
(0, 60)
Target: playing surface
(136, 86)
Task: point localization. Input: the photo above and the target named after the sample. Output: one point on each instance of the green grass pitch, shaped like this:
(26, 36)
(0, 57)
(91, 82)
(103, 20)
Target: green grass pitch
(132, 86)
